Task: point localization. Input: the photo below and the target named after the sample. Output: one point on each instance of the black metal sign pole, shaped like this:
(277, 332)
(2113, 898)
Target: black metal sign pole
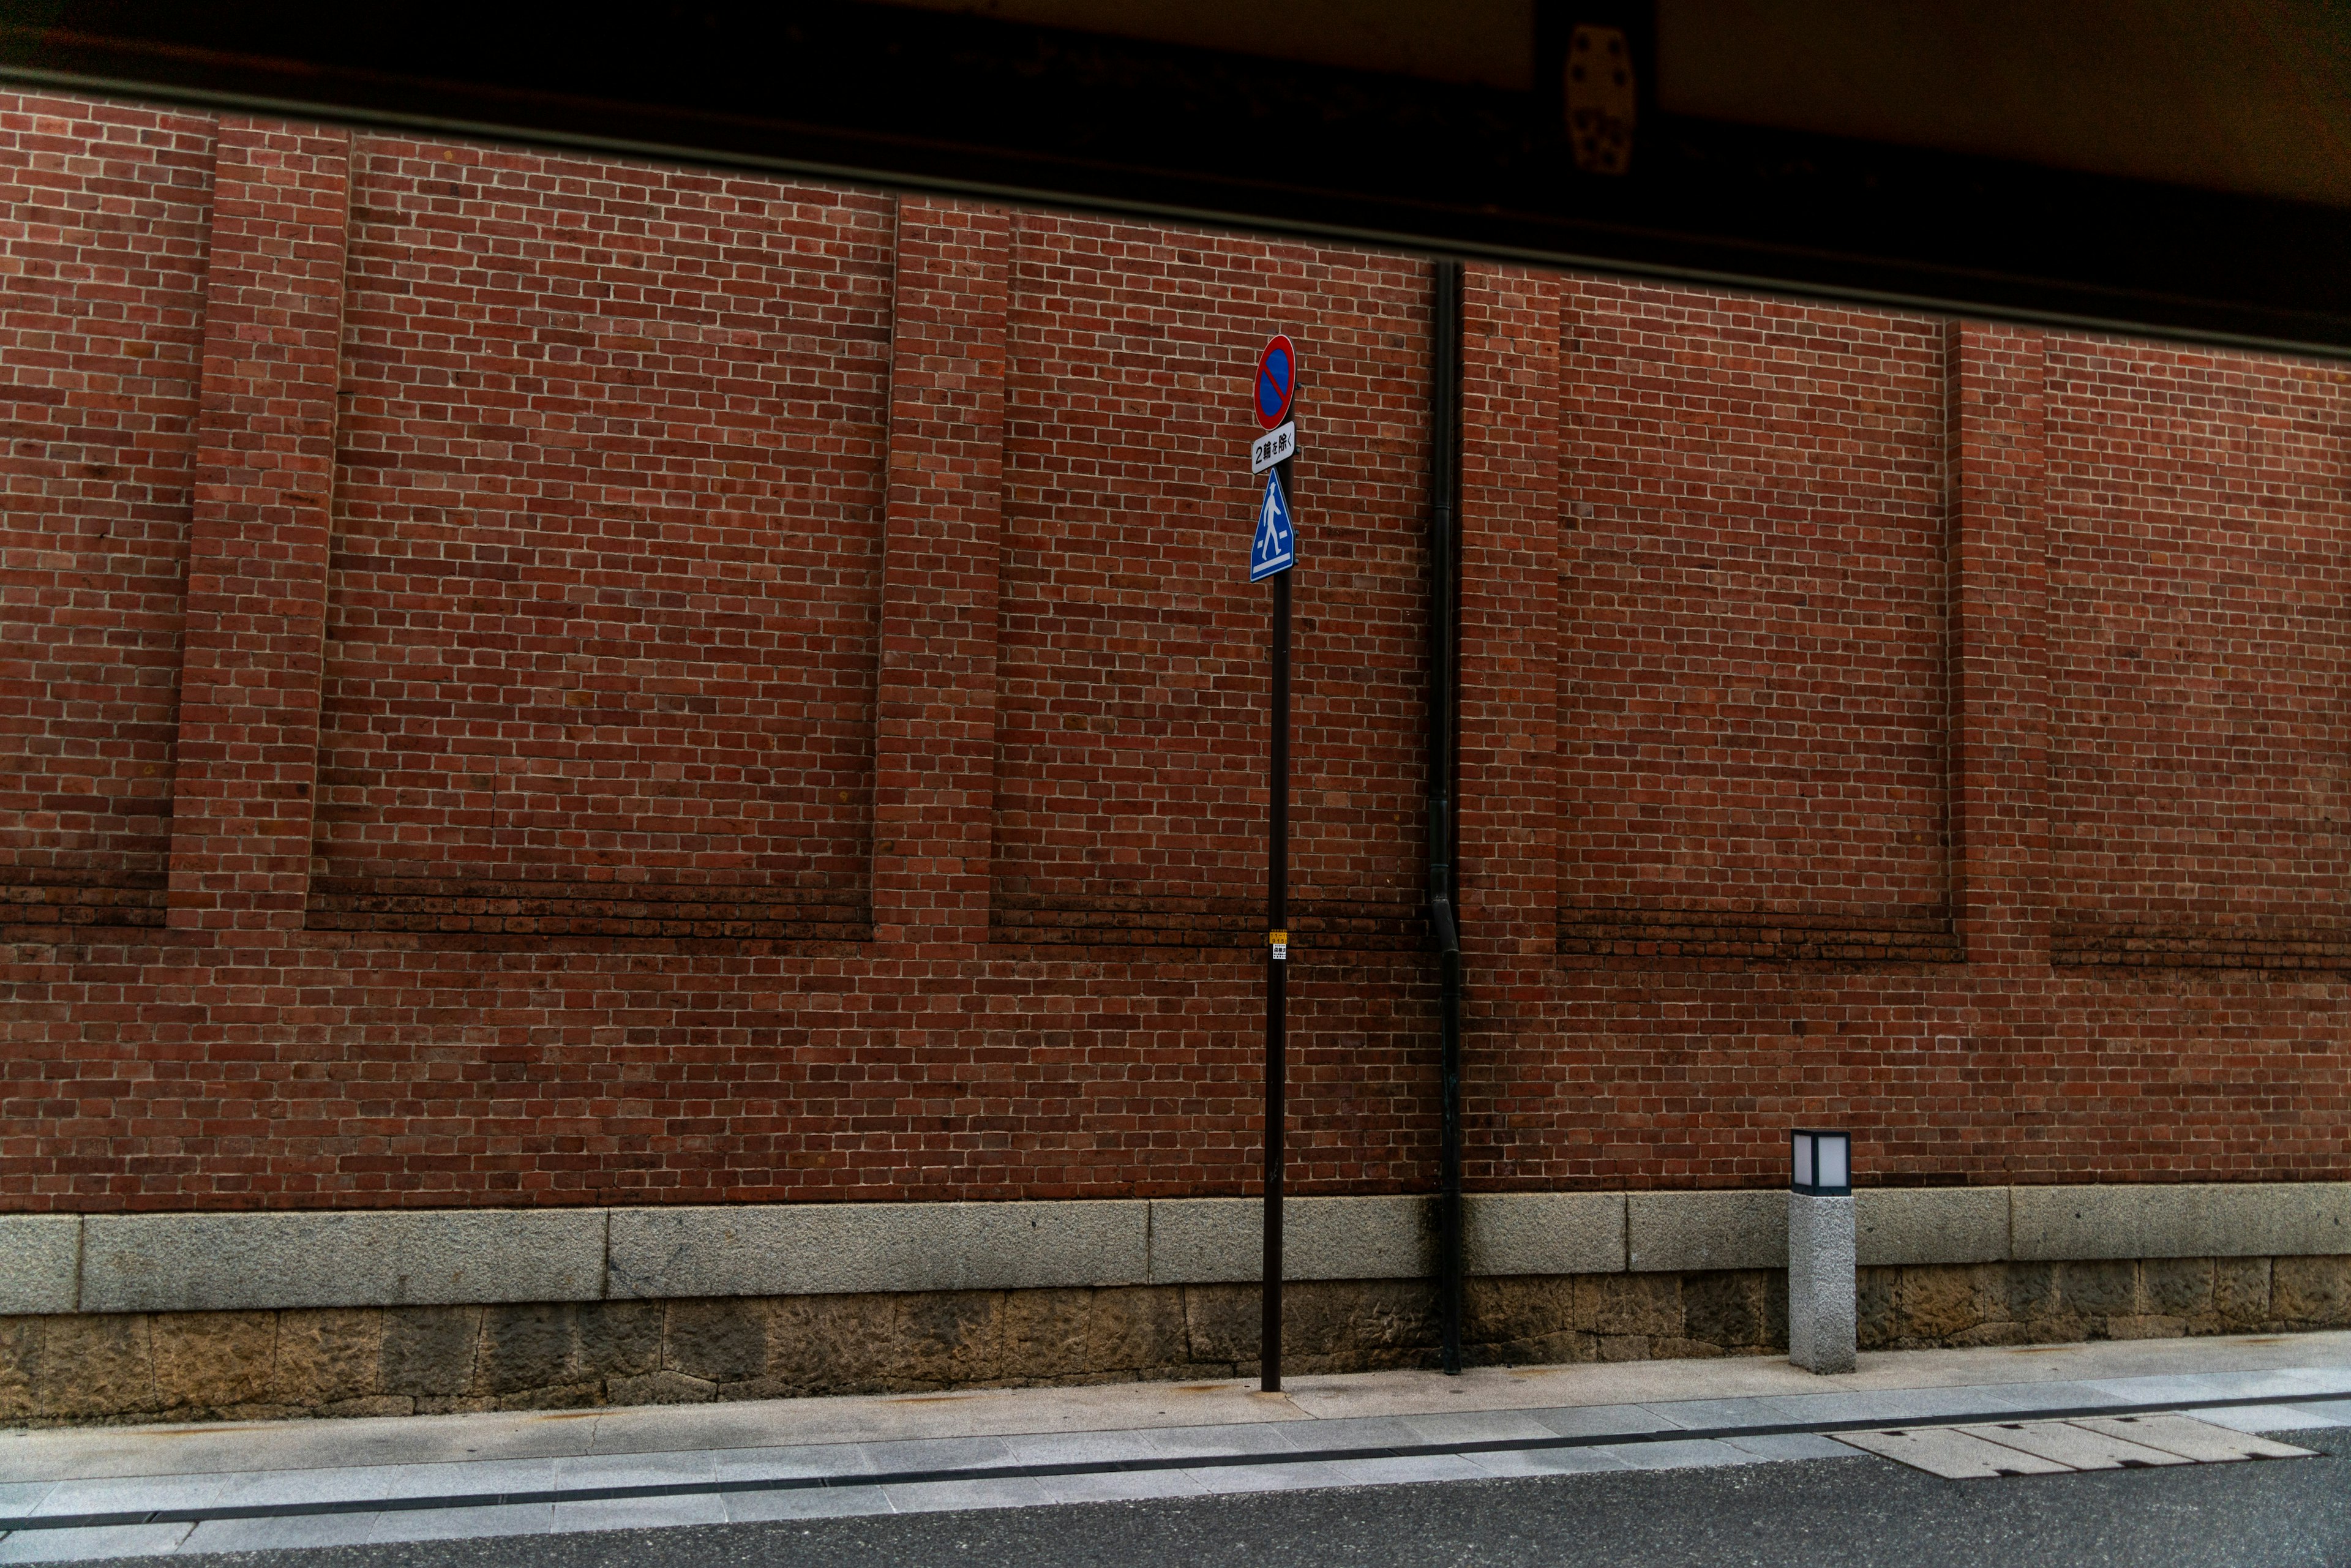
(1276, 964)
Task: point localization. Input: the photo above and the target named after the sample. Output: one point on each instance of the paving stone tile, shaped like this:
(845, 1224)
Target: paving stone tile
(1549, 1461)
(1601, 1420)
(462, 1523)
(1355, 1432)
(471, 1477)
(281, 1534)
(2190, 1387)
(1226, 1478)
(359, 1482)
(2317, 1415)
(1679, 1455)
(118, 1541)
(1406, 1470)
(1081, 1447)
(634, 1470)
(1792, 1446)
(120, 1494)
(1896, 1406)
(2275, 1418)
(1283, 1438)
(1481, 1427)
(811, 1460)
(942, 1497)
(939, 1454)
(816, 1502)
(1121, 1486)
(641, 1513)
(1711, 1413)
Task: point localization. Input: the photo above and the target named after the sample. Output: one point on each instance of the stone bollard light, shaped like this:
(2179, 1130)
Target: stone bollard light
(1820, 1250)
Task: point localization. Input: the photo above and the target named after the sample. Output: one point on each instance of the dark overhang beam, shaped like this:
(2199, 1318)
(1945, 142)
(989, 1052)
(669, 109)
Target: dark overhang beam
(2125, 164)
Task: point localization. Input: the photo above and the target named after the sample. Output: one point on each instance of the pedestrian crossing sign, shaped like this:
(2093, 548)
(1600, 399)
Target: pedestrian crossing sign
(1275, 548)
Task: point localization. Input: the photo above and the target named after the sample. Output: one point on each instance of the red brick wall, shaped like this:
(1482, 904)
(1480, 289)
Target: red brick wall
(786, 718)
(607, 550)
(103, 212)
(1131, 785)
(245, 788)
(2200, 763)
(1752, 628)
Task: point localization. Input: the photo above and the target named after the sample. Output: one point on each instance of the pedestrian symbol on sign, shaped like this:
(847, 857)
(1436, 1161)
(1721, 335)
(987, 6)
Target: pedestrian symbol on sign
(1276, 546)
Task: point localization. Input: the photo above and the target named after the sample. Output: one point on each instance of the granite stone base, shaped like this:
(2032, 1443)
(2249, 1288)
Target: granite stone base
(133, 1367)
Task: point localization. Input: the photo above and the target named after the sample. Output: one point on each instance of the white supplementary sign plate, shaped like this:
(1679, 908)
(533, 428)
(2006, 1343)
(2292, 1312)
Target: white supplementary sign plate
(1273, 446)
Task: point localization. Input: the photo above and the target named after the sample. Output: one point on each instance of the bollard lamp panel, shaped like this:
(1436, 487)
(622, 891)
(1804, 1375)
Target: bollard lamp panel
(1820, 1162)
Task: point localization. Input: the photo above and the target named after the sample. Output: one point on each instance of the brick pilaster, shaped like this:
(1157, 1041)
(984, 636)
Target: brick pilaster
(248, 735)
(1510, 633)
(935, 714)
(1999, 656)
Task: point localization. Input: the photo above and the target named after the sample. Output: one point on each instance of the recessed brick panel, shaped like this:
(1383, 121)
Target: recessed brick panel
(607, 550)
(1132, 721)
(2200, 566)
(103, 215)
(1752, 628)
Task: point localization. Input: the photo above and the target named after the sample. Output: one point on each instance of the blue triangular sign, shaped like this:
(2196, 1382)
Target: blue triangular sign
(1275, 548)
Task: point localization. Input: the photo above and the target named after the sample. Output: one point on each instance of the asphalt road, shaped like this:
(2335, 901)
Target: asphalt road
(1822, 1513)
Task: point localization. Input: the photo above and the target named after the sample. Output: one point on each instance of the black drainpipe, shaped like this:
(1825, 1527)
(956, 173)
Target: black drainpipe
(1443, 613)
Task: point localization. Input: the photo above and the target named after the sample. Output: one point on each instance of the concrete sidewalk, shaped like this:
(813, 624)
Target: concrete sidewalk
(316, 1483)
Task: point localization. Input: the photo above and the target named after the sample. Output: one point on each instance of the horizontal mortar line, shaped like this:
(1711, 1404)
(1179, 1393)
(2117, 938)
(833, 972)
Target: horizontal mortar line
(1106, 1467)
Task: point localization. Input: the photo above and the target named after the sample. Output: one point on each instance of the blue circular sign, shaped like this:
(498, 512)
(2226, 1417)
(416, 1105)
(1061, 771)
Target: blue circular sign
(1276, 382)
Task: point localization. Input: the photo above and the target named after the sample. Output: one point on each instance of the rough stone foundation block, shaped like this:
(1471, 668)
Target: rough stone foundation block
(830, 1343)
(1726, 1310)
(58, 1368)
(2311, 1292)
(2241, 1291)
(213, 1361)
(1522, 1322)
(327, 1355)
(1621, 1306)
(716, 1342)
(95, 1366)
(1136, 1328)
(2177, 1287)
(1044, 1334)
(2107, 1287)
(429, 1351)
